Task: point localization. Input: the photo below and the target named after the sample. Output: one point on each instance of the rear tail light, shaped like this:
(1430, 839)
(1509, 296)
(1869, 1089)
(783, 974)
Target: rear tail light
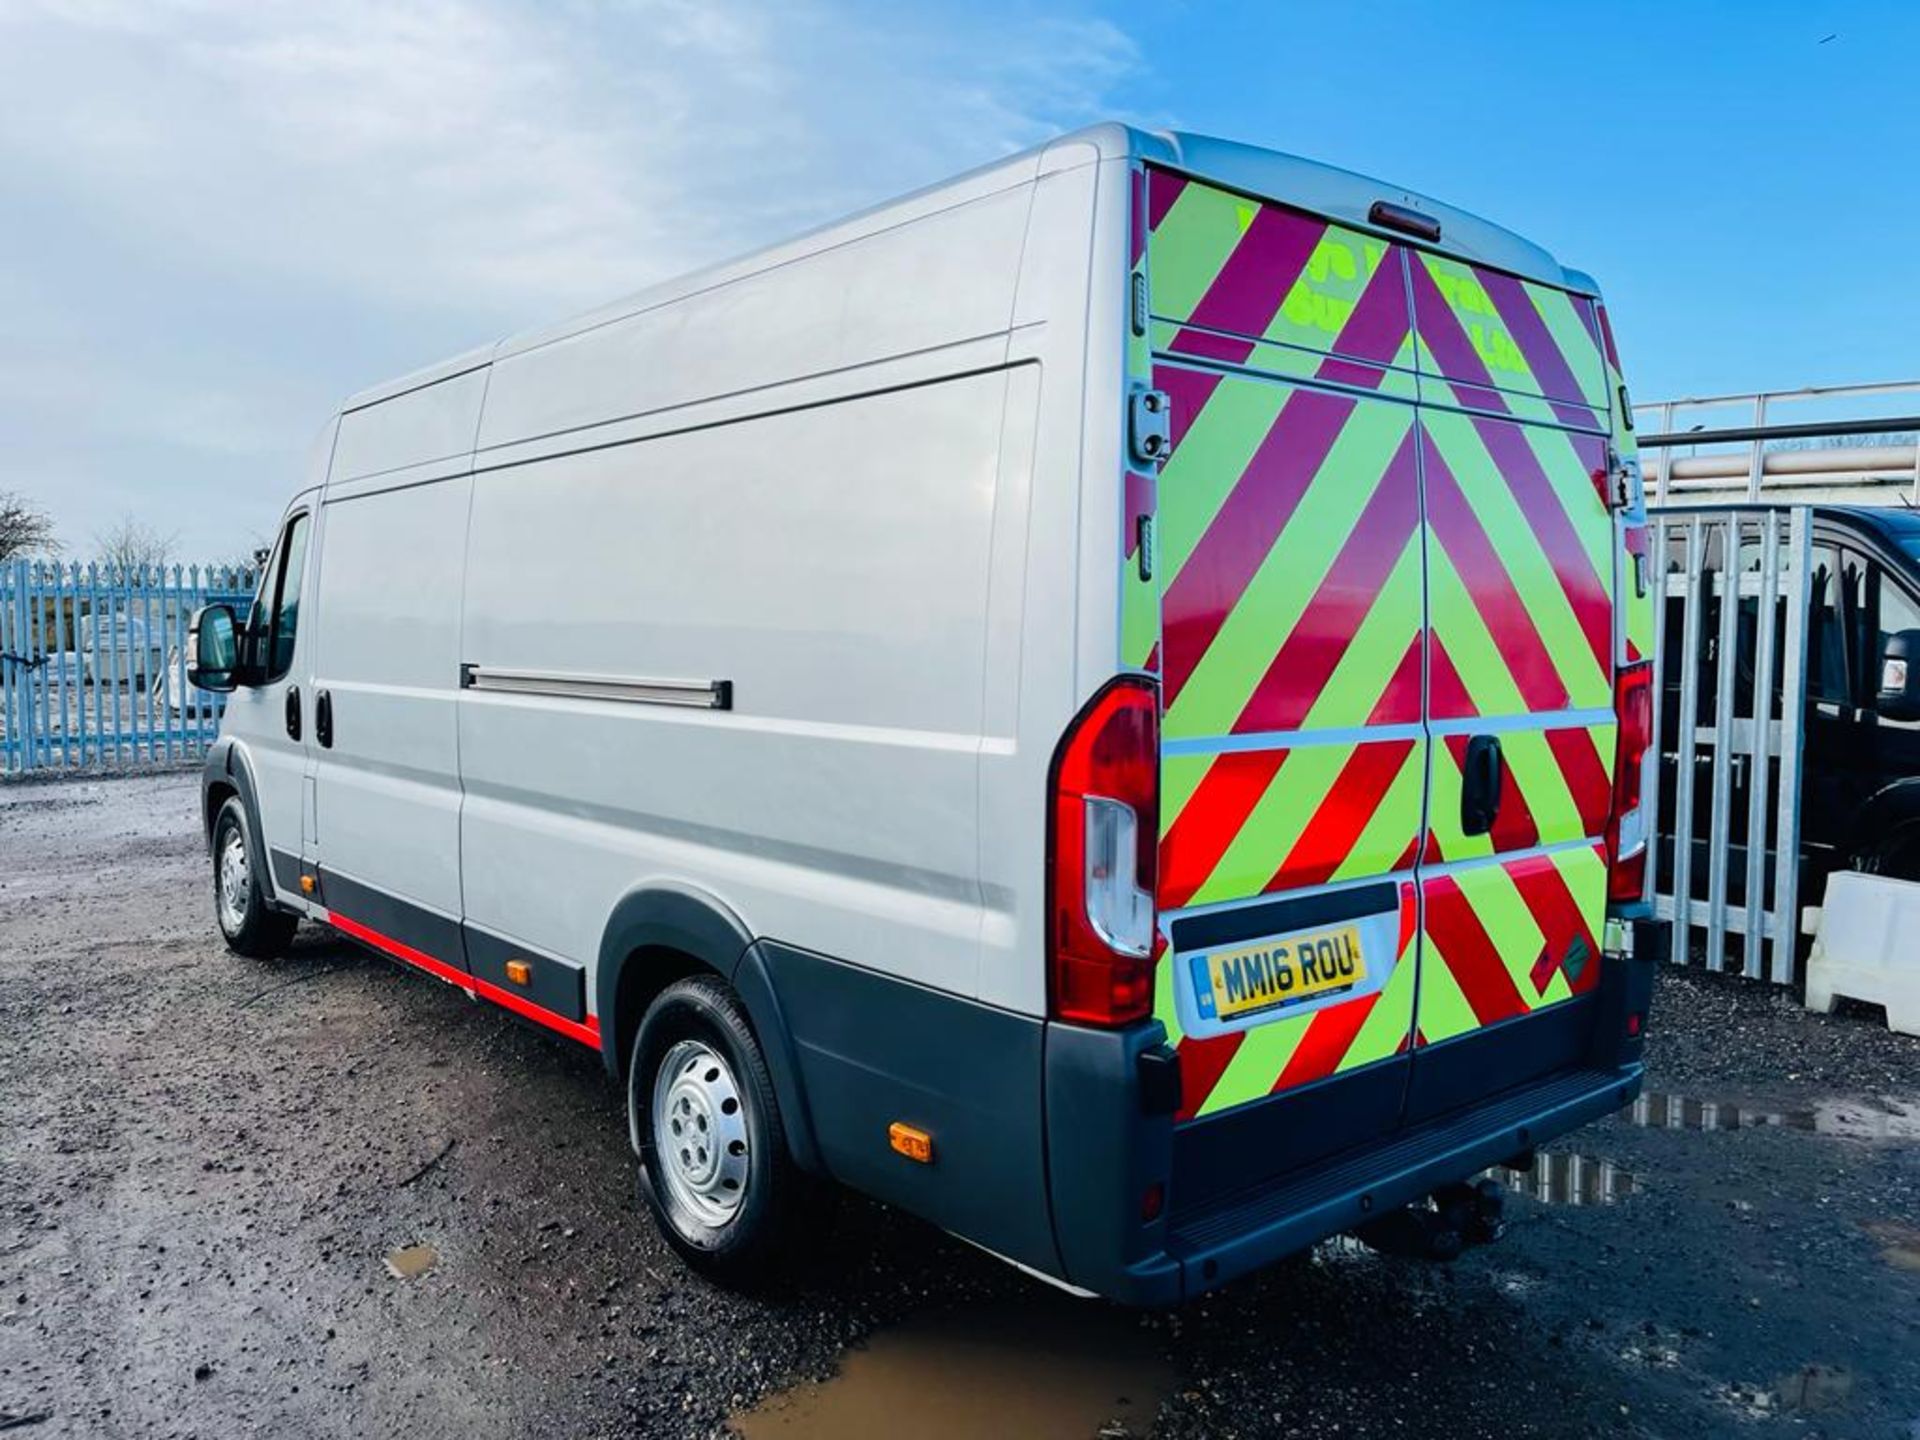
(1103, 857)
(1627, 831)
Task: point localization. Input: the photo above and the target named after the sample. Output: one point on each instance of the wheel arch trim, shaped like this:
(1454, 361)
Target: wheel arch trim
(671, 915)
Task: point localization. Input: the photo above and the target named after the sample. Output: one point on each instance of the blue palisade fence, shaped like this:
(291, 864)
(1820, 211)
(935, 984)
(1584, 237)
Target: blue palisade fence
(93, 663)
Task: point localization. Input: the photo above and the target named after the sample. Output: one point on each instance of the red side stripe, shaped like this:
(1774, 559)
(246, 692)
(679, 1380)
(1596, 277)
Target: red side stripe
(587, 1033)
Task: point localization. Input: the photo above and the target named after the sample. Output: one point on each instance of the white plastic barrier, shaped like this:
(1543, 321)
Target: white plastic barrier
(1867, 947)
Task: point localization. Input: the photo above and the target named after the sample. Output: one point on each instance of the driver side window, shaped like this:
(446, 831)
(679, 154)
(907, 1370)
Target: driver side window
(273, 622)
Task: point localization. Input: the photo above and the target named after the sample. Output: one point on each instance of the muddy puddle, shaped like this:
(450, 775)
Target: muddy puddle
(1578, 1180)
(1041, 1367)
(1887, 1118)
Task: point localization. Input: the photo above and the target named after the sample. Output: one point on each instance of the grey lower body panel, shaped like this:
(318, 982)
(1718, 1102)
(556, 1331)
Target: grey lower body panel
(871, 1049)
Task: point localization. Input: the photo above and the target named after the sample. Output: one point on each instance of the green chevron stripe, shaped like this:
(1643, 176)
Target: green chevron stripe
(1584, 360)
(1192, 244)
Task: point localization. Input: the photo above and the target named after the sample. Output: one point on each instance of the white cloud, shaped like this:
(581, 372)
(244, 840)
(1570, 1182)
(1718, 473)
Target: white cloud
(226, 214)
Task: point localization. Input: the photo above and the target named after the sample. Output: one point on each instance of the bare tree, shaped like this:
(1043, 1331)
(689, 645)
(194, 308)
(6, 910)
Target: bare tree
(25, 528)
(133, 544)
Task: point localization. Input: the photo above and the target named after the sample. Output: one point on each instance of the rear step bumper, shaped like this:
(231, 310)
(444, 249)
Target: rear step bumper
(1247, 1231)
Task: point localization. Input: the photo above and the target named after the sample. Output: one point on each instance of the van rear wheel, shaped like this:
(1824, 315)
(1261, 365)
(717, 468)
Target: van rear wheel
(714, 1166)
(249, 923)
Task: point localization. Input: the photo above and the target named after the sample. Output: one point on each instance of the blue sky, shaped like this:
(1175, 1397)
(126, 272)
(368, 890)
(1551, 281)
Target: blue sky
(224, 215)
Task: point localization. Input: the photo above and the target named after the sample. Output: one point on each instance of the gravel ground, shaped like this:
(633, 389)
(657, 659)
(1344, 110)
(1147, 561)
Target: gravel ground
(206, 1162)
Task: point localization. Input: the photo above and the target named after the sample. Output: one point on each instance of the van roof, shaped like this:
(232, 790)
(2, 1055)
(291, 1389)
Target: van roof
(1339, 194)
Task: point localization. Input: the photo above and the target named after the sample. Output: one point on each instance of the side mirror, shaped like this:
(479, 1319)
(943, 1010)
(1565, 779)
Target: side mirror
(1900, 676)
(214, 641)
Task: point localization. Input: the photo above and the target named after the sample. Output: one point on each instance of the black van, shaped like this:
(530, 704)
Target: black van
(1860, 776)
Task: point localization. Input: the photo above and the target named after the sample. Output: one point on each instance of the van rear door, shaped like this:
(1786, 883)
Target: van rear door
(1521, 576)
(1290, 572)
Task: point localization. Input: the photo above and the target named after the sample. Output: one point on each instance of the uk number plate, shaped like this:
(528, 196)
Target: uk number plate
(1274, 974)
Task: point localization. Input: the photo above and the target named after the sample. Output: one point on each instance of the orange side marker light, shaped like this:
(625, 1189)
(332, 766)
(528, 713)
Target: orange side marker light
(915, 1144)
(519, 972)
(306, 885)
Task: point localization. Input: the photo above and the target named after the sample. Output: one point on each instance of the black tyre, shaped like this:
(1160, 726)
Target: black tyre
(251, 925)
(714, 1165)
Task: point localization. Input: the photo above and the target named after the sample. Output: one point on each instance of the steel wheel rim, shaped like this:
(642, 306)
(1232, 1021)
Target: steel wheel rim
(700, 1145)
(234, 882)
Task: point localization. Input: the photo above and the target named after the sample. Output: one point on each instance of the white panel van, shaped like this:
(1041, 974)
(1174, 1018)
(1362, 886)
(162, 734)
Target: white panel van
(1002, 703)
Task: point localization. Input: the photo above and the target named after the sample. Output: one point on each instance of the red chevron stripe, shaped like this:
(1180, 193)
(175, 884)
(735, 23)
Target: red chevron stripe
(1606, 336)
(1409, 916)
(1245, 527)
(1308, 656)
(1549, 900)
(1208, 822)
(1336, 825)
(1586, 773)
(1162, 190)
(1325, 1042)
(1470, 954)
(1551, 369)
(1584, 309)
(1490, 587)
(1547, 517)
(1447, 697)
(1271, 256)
(1379, 320)
(1447, 341)
(1202, 1063)
(1208, 345)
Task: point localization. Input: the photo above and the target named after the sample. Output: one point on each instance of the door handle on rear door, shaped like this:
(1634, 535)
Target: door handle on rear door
(323, 719)
(1480, 785)
(293, 712)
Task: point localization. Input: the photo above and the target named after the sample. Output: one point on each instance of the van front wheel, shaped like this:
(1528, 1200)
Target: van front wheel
(714, 1167)
(250, 925)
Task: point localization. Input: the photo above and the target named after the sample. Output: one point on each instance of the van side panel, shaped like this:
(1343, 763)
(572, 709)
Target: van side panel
(387, 791)
(935, 282)
(830, 564)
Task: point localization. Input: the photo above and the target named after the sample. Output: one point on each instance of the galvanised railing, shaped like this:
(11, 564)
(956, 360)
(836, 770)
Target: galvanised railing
(93, 663)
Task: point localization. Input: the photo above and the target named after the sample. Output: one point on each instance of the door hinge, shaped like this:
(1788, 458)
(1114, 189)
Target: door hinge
(1149, 427)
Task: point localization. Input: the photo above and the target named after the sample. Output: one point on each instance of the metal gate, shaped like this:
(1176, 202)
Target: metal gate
(1728, 730)
(93, 663)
